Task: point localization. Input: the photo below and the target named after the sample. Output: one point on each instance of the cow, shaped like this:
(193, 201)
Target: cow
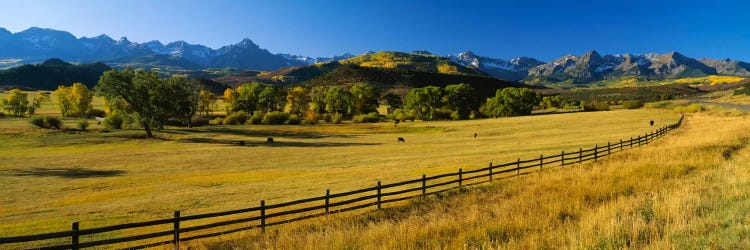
(269, 140)
(652, 122)
(395, 123)
(99, 120)
(242, 143)
(475, 135)
(401, 139)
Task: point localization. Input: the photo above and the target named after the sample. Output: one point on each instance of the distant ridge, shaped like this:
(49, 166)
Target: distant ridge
(52, 73)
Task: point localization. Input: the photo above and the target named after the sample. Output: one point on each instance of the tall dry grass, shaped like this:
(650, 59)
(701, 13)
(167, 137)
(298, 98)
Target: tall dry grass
(687, 190)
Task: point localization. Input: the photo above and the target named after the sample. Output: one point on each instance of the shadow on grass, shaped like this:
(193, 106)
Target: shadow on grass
(276, 143)
(262, 133)
(70, 173)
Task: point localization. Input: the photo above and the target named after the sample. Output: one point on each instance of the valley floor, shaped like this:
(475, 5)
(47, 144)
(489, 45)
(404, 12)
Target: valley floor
(688, 190)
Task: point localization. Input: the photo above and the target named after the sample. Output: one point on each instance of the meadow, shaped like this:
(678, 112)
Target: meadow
(103, 177)
(688, 190)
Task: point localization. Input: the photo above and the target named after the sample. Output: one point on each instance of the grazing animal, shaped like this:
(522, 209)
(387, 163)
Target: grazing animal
(395, 123)
(242, 143)
(401, 139)
(652, 122)
(475, 135)
(99, 120)
(269, 140)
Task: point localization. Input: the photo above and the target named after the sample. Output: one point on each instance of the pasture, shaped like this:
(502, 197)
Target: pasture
(50, 178)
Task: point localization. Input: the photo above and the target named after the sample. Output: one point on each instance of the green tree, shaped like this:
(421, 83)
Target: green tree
(298, 100)
(82, 98)
(393, 102)
(16, 103)
(146, 97)
(272, 98)
(231, 99)
(249, 96)
(463, 99)
(37, 102)
(338, 100)
(318, 98)
(512, 101)
(424, 101)
(364, 98)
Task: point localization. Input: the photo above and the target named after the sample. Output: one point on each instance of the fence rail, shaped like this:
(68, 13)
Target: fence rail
(374, 196)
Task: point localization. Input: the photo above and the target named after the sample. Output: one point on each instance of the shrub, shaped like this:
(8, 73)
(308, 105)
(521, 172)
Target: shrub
(632, 104)
(53, 122)
(2, 114)
(217, 121)
(311, 117)
(294, 120)
(692, 108)
(336, 118)
(275, 118)
(83, 124)
(236, 118)
(38, 121)
(441, 114)
(113, 121)
(257, 118)
(595, 106)
(199, 121)
(327, 117)
(371, 117)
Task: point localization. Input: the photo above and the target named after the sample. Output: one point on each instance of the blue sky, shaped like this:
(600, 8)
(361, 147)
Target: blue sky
(501, 29)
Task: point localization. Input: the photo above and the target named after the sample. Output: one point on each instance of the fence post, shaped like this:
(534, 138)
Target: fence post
(262, 216)
(631, 142)
(596, 152)
(562, 160)
(176, 237)
(74, 237)
(424, 184)
(609, 151)
(328, 201)
(378, 194)
(460, 177)
(541, 162)
(580, 155)
(518, 167)
(490, 171)
(620, 144)
(639, 141)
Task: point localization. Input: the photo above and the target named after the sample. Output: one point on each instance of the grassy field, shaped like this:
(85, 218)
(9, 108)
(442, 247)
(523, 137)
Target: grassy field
(50, 178)
(687, 191)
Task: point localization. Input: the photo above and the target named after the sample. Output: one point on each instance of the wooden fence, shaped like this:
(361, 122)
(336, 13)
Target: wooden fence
(184, 228)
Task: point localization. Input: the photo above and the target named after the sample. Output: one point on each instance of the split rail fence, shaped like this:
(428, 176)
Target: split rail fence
(181, 228)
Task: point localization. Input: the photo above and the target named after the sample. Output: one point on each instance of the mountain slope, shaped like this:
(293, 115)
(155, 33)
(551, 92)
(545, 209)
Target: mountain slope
(52, 73)
(591, 67)
(514, 70)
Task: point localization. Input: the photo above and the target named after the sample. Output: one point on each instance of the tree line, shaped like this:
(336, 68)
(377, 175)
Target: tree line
(140, 98)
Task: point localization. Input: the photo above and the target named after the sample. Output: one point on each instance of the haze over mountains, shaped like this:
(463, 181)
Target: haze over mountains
(36, 45)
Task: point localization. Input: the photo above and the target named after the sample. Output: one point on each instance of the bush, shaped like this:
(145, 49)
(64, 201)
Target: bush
(257, 118)
(632, 104)
(327, 118)
(294, 120)
(113, 121)
(53, 122)
(83, 124)
(441, 114)
(217, 121)
(311, 117)
(199, 121)
(692, 108)
(595, 106)
(2, 114)
(371, 117)
(236, 118)
(38, 121)
(336, 118)
(275, 118)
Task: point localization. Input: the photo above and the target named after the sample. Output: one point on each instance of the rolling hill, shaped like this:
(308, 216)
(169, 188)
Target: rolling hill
(52, 73)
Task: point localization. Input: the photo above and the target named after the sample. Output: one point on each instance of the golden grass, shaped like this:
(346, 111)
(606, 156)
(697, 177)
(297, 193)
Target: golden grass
(687, 191)
(711, 80)
(51, 178)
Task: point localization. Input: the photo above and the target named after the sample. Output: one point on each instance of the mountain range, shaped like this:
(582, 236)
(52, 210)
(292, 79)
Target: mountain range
(36, 45)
